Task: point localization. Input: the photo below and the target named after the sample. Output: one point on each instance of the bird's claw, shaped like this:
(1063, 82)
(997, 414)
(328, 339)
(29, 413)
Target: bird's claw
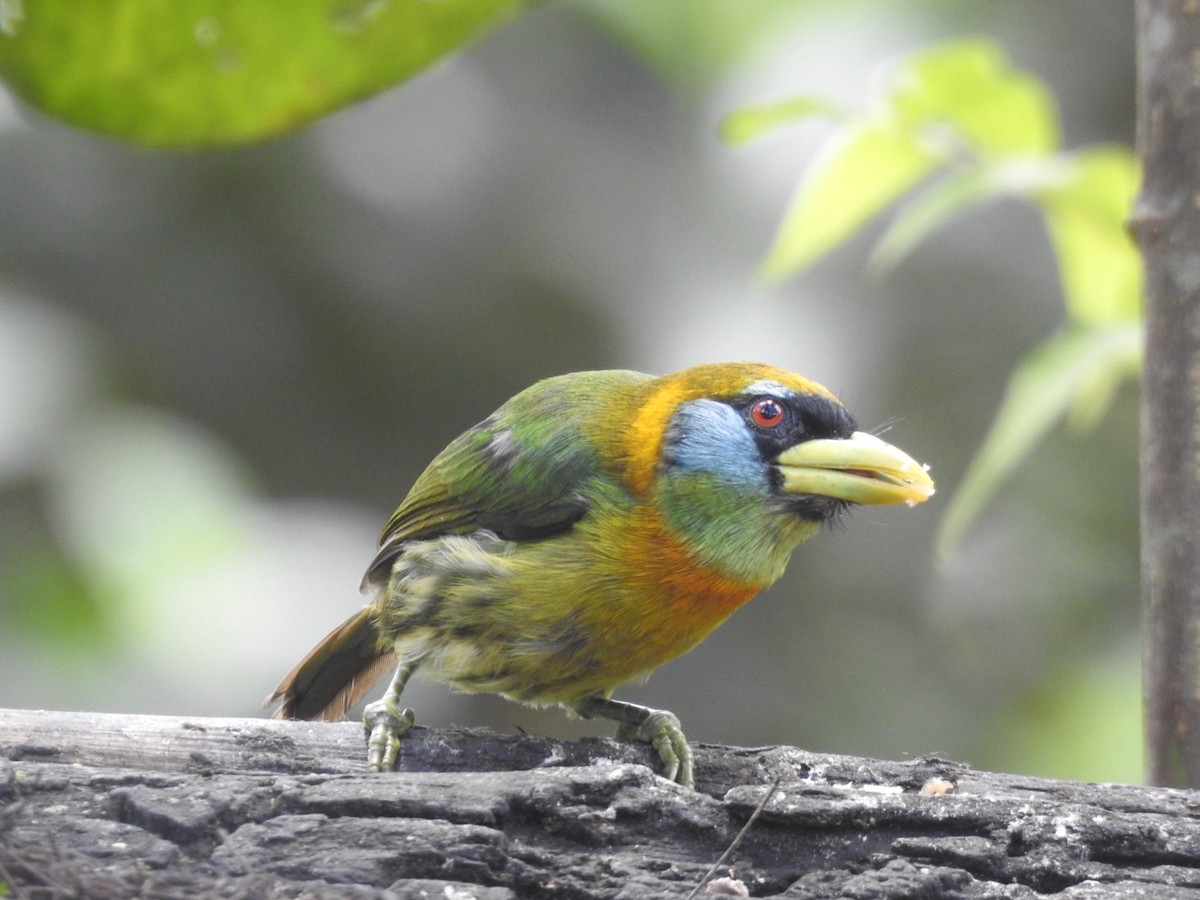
(662, 730)
(385, 724)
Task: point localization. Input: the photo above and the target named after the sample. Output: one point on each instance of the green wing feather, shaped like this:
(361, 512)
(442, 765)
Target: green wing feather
(522, 472)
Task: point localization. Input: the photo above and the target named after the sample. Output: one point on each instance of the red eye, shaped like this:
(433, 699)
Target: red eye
(766, 413)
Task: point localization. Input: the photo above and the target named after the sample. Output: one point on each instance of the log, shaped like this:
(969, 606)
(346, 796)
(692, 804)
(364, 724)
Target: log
(98, 805)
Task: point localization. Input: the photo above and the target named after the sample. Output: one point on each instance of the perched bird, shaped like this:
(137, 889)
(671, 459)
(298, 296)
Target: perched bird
(593, 527)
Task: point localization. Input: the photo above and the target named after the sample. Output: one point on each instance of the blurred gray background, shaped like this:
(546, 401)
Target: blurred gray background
(220, 372)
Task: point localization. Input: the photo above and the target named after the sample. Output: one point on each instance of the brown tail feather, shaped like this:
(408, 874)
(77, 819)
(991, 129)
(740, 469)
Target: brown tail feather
(336, 673)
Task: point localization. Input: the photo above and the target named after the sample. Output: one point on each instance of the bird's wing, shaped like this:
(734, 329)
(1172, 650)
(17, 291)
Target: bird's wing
(521, 473)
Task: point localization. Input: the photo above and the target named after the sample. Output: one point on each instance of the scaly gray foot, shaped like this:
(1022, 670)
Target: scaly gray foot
(665, 734)
(385, 725)
(661, 729)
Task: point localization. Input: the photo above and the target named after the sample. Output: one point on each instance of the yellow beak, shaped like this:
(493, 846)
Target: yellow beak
(859, 469)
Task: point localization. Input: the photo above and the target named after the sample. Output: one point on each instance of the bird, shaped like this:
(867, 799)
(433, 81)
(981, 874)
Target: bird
(595, 526)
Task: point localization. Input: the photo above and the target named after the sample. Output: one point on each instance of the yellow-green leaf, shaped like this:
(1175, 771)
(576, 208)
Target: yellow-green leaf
(926, 212)
(746, 124)
(968, 85)
(1076, 366)
(961, 188)
(1086, 215)
(192, 73)
(695, 40)
(866, 169)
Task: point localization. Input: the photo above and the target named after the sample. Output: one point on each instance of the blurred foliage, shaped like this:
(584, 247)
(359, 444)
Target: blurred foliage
(959, 111)
(58, 605)
(202, 73)
(696, 40)
(1095, 711)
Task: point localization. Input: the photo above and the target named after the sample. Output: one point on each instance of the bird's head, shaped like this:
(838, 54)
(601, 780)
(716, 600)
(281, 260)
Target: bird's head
(748, 454)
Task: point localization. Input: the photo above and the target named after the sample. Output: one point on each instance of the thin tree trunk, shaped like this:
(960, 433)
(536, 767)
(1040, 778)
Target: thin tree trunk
(1167, 225)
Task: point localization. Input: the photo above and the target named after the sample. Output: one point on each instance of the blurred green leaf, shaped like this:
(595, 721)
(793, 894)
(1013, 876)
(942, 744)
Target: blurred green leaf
(959, 105)
(746, 124)
(990, 130)
(866, 169)
(141, 496)
(1085, 199)
(960, 189)
(1086, 215)
(693, 40)
(1083, 721)
(925, 213)
(193, 73)
(48, 601)
(968, 85)
(1075, 368)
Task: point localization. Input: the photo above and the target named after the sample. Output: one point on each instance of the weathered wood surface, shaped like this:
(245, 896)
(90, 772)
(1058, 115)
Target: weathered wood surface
(118, 806)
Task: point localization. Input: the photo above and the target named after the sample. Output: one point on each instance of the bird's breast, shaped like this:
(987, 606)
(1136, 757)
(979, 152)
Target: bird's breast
(661, 598)
(555, 620)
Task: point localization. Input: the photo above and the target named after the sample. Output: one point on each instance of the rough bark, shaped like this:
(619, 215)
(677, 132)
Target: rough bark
(114, 806)
(1167, 225)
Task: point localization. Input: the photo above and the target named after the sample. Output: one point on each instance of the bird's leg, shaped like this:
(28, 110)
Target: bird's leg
(657, 726)
(386, 723)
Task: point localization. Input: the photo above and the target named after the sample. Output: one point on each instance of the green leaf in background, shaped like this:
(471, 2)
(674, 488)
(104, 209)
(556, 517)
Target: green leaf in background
(925, 213)
(746, 124)
(958, 105)
(866, 169)
(1086, 215)
(52, 601)
(196, 73)
(1077, 368)
(692, 40)
(1085, 199)
(960, 189)
(988, 130)
(968, 85)
(1083, 721)
(140, 496)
